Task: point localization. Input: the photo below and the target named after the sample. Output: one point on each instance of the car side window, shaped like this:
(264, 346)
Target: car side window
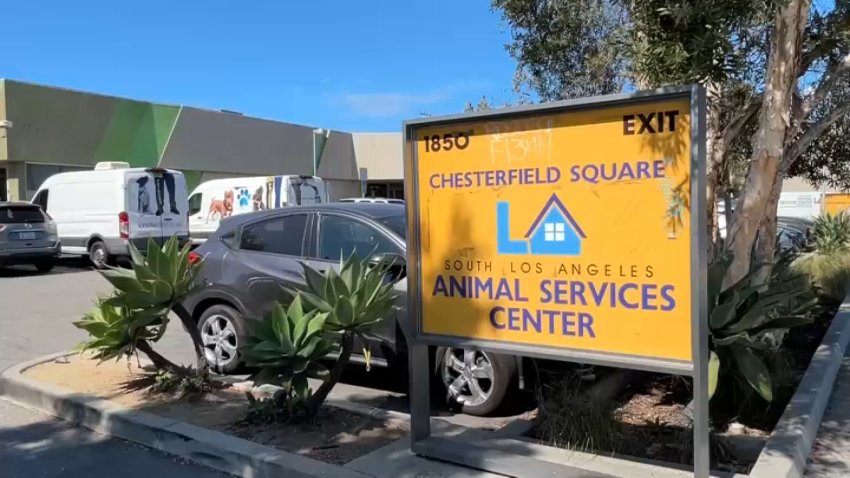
(194, 204)
(41, 199)
(340, 236)
(280, 235)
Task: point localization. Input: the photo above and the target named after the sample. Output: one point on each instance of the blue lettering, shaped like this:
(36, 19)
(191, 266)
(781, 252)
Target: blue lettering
(659, 168)
(598, 294)
(567, 325)
(561, 292)
(585, 323)
(480, 286)
(533, 319)
(577, 293)
(500, 178)
(553, 175)
(526, 176)
(666, 294)
(489, 178)
(513, 319)
(574, 174)
(626, 172)
(648, 296)
(467, 180)
(457, 287)
(609, 177)
(440, 286)
(643, 170)
(503, 291)
(493, 320)
(591, 179)
(623, 301)
(433, 184)
(545, 294)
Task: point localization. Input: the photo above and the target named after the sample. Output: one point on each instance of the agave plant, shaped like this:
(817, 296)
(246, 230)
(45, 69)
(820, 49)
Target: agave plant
(831, 233)
(748, 320)
(354, 300)
(136, 314)
(286, 346)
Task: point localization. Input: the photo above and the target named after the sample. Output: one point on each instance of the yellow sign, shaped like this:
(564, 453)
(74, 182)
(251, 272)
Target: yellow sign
(569, 229)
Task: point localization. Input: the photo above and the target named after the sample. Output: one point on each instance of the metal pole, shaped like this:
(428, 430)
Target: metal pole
(699, 280)
(420, 394)
(315, 166)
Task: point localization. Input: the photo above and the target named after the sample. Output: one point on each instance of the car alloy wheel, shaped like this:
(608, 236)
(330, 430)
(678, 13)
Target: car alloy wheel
(468, 376)
(220, 341)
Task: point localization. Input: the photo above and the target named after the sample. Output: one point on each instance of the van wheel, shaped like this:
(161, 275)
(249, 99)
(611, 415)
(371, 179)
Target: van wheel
(479, 383)
(98, 255)
(44, 266)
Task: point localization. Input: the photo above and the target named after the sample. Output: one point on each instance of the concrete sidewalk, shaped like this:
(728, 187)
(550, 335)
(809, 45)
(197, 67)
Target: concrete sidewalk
(831, 452)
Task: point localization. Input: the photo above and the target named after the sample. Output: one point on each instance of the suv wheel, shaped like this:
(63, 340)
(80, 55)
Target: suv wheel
(221, 330)
(479, 382)
(44, 266)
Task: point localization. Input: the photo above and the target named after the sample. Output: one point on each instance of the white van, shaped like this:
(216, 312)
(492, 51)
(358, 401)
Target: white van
(803, 205)
(214, 200)
(99, 213)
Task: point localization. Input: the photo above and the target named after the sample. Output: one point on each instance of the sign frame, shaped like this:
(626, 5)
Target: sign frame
(419, 342)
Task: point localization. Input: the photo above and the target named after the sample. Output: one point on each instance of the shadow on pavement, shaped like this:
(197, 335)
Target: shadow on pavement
(63, 266)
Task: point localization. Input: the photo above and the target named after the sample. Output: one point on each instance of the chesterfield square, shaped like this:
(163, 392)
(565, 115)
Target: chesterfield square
(566, 229)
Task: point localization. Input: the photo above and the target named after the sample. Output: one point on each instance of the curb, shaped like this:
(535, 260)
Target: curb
(788, 448)
(200, 445)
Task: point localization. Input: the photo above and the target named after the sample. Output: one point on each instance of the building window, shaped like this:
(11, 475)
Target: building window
(554, 231)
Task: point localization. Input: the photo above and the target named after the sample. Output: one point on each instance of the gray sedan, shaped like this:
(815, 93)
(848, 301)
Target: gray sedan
(253, 257)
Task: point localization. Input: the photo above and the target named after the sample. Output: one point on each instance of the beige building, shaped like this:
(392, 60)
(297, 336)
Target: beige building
(46, 130)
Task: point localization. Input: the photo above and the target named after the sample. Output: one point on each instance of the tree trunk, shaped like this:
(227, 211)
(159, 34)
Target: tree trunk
(160, 362)
(769, 139)
(202, 368)
(716, 149)
(318, 398)
(766, 248)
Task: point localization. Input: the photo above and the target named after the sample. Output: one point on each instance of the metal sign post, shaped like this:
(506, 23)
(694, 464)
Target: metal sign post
(569, 231)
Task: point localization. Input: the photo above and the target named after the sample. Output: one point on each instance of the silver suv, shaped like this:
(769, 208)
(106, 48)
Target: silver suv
(27, 236)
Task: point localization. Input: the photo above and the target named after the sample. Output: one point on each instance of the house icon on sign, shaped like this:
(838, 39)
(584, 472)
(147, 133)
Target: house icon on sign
(554, 232)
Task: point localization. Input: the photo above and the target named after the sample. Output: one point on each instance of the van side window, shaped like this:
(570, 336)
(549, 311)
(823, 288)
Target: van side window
(41, 199)
(281, 235)
(195, 204)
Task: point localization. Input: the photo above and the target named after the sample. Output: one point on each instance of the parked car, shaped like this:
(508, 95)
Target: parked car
(99, 213)
(27, 236)
(251, 258)
(217, 199)
(374, 200)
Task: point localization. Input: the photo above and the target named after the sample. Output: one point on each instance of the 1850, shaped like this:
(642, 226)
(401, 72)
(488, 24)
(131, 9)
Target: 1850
(447, 141)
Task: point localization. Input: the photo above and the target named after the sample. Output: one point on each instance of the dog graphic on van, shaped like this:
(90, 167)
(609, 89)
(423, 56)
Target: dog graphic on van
(222, 207)
(258, 199)
(143, 198)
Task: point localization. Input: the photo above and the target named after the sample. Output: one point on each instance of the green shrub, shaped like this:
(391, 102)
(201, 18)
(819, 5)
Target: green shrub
(136, 314)
(355, 300)
(830, 273)
(748, 321)
(831, 234)
(286, 346)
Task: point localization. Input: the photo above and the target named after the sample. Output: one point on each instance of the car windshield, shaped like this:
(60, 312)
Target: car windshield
(20, 214)
(397, 224)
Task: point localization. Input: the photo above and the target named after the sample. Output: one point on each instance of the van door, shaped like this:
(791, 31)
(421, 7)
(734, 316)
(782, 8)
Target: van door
(156, 206)
(143, 222)
(305, 190)
(172, 202)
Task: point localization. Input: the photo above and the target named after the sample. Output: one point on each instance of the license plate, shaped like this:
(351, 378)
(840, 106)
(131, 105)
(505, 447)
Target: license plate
(26, 236)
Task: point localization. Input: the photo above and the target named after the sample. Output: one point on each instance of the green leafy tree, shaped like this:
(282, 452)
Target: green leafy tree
(136, 314)
(774, 70)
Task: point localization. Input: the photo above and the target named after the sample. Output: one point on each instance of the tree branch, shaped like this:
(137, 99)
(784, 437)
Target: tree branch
(811, 134)
(737, 123)
(828, 82)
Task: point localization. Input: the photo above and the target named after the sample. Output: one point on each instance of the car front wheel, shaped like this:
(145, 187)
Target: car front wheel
(478, 382)
(221, 334)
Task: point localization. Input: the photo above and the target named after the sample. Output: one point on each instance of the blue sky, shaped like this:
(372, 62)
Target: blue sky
(354, 66)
